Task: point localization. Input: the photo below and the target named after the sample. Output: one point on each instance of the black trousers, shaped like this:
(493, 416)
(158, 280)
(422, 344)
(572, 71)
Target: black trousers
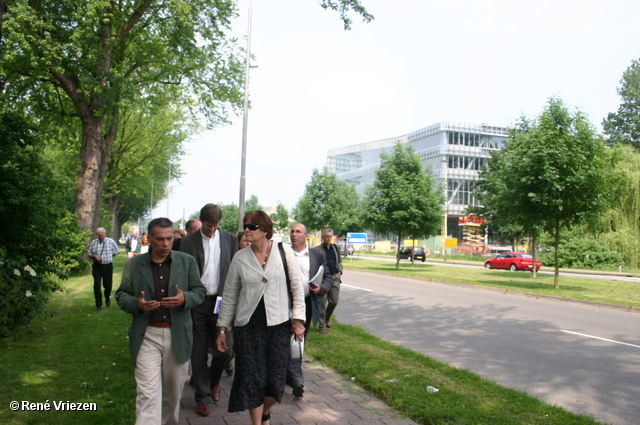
(205, 332)
(104, 273)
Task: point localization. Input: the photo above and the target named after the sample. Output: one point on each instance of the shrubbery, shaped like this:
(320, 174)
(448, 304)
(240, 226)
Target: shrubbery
(582, 252)
(40, 241)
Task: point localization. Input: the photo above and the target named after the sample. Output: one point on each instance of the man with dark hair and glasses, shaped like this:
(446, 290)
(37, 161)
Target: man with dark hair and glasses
(334, 262)
(158, 289)
(213, 250)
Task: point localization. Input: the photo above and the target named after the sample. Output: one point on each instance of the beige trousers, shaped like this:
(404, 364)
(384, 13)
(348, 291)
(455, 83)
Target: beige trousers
(160, 379)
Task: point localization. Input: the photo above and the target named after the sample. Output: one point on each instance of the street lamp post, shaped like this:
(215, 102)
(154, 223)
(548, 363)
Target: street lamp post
(245, 120)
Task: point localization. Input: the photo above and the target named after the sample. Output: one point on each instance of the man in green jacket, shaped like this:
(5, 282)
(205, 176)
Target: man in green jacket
(158, 289)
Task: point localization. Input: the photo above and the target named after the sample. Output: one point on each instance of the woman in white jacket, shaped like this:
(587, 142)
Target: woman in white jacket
(256, 301)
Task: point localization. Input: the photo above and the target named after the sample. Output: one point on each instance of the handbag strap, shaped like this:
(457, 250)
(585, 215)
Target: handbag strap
(286, 274)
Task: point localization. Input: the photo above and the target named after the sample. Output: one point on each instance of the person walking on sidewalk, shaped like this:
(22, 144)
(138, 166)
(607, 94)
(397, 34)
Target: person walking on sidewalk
(213, 249)
(309, 263)
(257, 296)
(159, 289)
(334, 262)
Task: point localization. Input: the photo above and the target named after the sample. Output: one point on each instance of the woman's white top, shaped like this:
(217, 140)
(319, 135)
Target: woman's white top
(247, 282)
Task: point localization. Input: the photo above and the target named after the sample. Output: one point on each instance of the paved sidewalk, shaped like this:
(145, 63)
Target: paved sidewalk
(328, 399)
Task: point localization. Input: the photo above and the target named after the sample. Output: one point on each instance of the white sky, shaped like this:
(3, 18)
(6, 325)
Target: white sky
(318, 87)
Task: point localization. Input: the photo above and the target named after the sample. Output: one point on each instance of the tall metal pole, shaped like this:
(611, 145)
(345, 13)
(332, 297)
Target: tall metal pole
(169, 182)
(245, 120)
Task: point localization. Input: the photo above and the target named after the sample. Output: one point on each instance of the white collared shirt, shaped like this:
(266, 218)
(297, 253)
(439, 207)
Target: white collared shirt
(303, 268)
(211, 270)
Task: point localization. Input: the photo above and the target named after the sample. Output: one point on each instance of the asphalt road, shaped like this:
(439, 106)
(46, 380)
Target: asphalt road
(583, 358)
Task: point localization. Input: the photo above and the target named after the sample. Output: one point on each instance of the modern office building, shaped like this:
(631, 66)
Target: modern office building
(454, 152)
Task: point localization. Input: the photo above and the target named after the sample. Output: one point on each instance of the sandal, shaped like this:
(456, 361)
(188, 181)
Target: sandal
(266, 418)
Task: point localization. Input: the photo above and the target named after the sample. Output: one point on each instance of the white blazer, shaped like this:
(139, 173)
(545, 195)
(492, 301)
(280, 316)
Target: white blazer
(247, 282)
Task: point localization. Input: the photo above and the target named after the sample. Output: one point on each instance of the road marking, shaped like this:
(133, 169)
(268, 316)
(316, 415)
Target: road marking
(357, 287)
(602, 339)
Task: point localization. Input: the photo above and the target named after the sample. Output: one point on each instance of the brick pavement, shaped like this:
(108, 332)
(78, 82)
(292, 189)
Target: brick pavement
(328, 399)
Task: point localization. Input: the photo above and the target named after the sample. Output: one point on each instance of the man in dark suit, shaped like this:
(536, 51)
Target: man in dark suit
(213, 250)
(331, 252)
(158, 289)
(309, 262)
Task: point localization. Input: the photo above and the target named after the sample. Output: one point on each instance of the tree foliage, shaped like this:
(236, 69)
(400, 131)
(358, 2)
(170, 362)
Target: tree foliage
(280, 219)
(96, 55)
(40, 238)
(554, 172)
(230, 213)
(329, 203)
(623, 126)
(403, 199)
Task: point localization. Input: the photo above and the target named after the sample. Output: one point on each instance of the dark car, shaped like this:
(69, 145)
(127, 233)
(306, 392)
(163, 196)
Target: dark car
(345, 250)
(512, 261)
(416, 253)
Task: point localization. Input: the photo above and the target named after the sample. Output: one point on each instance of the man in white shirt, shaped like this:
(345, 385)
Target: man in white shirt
(213, 250)
(309, 262)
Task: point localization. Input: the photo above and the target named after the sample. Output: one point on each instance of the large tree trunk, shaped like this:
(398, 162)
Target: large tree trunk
(91, 175)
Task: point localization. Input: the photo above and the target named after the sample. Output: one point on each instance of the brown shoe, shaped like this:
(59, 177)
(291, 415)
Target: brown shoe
(203, 409)
(328, 323)
(322, 331)
(215, 392)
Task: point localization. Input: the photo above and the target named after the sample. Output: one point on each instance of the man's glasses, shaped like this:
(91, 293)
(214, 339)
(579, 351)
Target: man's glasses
(251, 226)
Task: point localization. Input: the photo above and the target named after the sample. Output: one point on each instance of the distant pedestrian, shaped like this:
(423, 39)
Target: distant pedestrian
(101, 251)
(243, 242)
(132, 243)
(190, 227)
(334, 261)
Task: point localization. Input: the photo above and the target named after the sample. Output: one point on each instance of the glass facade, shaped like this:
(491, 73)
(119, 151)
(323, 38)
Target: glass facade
(454, 152)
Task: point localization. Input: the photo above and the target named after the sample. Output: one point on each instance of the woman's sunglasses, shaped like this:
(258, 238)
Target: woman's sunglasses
(251, 226)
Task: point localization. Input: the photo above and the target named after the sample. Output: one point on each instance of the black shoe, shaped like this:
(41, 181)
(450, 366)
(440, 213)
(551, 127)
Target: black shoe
(99, 308)
(108, 303)
(298, 391)
(229, 371)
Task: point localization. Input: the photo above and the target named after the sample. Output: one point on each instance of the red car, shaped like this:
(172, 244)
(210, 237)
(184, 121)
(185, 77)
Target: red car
(512, 261)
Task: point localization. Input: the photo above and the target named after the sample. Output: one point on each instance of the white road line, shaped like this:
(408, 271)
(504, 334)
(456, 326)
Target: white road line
(357, 287)
(602, 339)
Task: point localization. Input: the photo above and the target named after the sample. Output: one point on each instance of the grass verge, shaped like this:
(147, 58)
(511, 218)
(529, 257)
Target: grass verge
(400, 377)
(571, 287)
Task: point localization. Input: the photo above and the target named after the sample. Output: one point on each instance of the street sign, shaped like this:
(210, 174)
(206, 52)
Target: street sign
(356, 238)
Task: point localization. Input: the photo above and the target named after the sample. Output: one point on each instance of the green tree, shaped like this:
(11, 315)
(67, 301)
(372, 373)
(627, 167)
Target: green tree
(403, 199)
(554, 172)
(230, 213)
(40, 238)
(148, 144)
(329, 203)
(624, 126)
(280, 219)
(98, 54)
(94, 55)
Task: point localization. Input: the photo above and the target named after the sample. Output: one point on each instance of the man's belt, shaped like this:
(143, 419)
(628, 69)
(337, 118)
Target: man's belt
(160, 324)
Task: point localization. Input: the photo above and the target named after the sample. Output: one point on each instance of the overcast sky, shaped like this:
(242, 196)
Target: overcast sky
(318, 87)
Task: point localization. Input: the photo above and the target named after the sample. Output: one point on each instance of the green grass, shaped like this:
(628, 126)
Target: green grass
(78, 355)
(580, 288)
(400, 377)
(74, 354)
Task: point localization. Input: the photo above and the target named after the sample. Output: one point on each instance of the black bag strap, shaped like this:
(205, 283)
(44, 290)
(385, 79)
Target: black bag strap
(286, 274)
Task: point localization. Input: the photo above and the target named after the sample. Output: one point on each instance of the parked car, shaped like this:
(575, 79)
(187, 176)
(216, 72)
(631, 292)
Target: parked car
(512, 261)
(345, 250)
(416, 252)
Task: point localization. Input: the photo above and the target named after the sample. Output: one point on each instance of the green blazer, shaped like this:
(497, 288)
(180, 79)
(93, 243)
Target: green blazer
(137, 277)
